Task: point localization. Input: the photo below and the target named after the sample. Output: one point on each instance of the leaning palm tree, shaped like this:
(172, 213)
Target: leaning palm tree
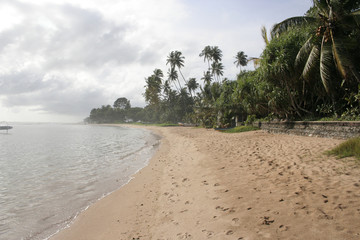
(330, 46)
(241, 60)
(175, 59)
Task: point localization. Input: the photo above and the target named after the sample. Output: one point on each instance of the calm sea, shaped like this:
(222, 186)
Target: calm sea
(51, 172)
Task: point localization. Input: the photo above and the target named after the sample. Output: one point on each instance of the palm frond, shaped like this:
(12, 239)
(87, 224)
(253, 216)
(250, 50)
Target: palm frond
(339, 54)
(312, 62)
(326, 65)
(303, 53)
(264, 35)
(285, 25)
(321, 6)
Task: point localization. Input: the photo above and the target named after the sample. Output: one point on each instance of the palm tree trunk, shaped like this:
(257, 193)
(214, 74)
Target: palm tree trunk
(182, 76)
(179, 83)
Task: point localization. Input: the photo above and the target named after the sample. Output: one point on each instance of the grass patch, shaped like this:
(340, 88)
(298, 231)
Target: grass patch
(240, 129)
(350, 148)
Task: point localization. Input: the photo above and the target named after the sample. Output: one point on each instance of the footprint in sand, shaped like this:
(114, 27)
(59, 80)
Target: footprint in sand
(235, 222)
(230, 232)
(205, 182)
(283, 228)
(184, 236)
(208, 233)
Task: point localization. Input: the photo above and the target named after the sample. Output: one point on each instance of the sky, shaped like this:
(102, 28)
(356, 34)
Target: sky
(61, 58)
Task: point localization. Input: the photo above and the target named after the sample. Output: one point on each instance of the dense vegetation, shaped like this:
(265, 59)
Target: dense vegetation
(308, 70)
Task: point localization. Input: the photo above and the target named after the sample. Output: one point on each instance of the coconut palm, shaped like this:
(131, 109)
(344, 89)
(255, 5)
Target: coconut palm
(153, 87)
(158, 73)
(207, 54)
(216, 54)
(241, 60)
(173, 77)
(175, 59)
(192, 85)
(217, 69)
(330, 46)
(207, 77)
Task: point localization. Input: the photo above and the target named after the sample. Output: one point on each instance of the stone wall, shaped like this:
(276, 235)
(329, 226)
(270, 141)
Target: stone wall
(341, 130)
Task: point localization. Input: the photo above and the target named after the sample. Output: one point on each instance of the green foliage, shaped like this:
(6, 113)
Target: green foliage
(250, 119)
(240, 129)
(308, 70)
(350, 148)
(331, 50)
(122, 103)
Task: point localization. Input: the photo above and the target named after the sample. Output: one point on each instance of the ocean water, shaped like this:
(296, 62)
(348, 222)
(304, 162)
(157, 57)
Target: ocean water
(49, 173)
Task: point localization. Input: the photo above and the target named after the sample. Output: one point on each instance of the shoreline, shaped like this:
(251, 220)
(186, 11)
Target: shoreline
(77, 214)
(154, 145)
(202, 184)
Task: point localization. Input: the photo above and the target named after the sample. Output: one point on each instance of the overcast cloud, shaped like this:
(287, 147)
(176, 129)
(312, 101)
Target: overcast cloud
(61, 58)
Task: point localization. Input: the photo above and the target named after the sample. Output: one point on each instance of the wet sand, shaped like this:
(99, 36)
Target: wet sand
(202, 184)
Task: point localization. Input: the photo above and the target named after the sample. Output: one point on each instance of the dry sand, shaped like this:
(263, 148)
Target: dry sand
(202, 184)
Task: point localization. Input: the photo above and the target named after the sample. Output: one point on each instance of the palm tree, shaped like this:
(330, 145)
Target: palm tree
(330, 47)
(175, 59)
(158, 74)
(240, 59)
(217, 69)
(207, 77)
(153, 87)
(192, 85)
(216, 54)
(213, 55)
(207, 54)
(173, 76)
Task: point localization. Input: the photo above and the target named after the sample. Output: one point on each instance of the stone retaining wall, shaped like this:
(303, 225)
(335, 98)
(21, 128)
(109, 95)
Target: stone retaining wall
(341, 130)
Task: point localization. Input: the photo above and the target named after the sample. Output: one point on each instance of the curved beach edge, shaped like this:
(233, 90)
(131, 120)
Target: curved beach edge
(202, 184)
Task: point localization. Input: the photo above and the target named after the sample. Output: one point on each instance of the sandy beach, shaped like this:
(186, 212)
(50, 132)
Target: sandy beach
(203, 184)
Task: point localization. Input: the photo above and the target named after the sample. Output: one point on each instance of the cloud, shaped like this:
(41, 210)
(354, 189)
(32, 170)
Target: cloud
(57, 96)
(68, 56)
(62, 58)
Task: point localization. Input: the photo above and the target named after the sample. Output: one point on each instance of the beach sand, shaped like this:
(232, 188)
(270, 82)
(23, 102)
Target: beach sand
(203, 184)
